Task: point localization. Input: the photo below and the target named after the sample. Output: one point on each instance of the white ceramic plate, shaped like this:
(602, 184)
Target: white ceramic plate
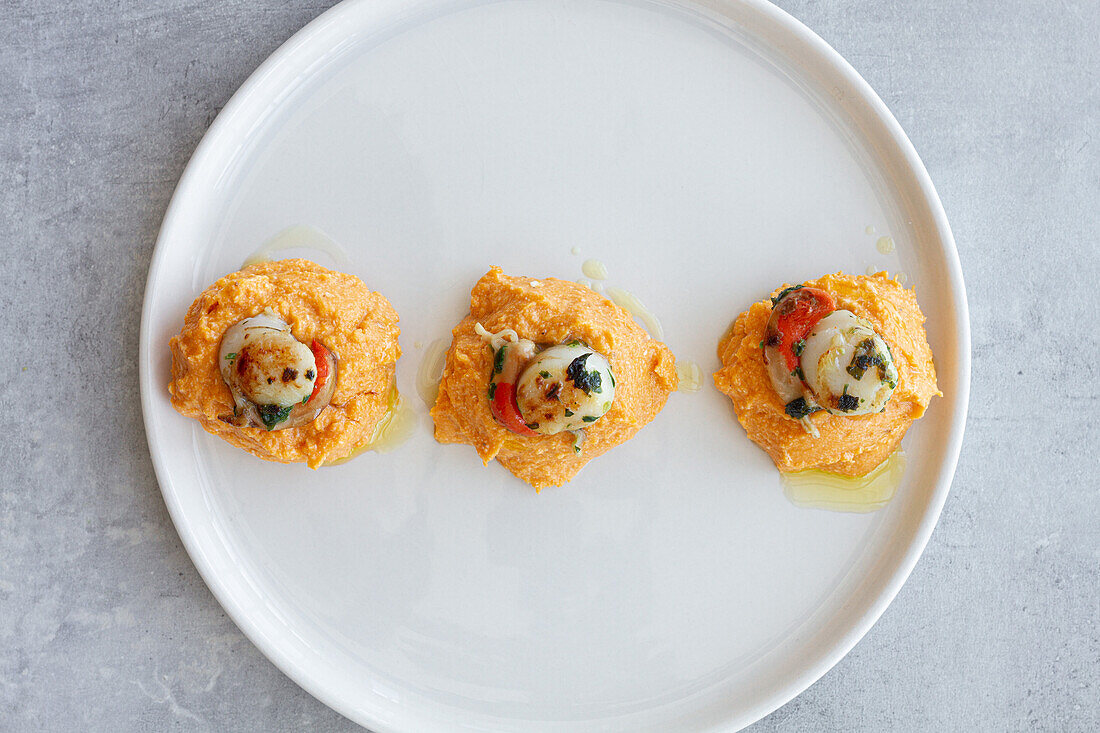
(705, 153)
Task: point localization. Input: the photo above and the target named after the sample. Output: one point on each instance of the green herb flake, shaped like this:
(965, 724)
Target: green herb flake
(492, 389)
(864, 357)
(589, 418)
(231, 357)
(272, 415)
(847, 403)
(569, 413)
(596, 382)
(583, 379)
(798, 347)
(799, 408)
(783, 293)
(544, 374)
(498, 360)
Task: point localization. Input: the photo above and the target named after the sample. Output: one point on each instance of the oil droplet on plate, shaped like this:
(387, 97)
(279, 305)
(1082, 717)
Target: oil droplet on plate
(871, 270)
(430, 371)
(870, 229)
(630, 303)
(395, 427)
(576, 250)
(691, 376)
(861, 494)
(594, 269)
(299, 237)
(885, 245)
(398, 429)
(901, 278)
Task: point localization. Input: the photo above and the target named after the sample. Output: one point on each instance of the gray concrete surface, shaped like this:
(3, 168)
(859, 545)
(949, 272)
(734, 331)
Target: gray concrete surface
(104, 622)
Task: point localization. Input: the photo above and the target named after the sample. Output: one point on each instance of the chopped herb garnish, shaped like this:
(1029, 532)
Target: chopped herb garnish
(596, 381)
(864, 357)
(576, 448)
(232, 356)
(589, 418)
(569, 413)
(612, 375)
(584, 380)
(272, 415)
(798, 347)
(544, 374)
(533, 425)
(306, 398)
(492, 389)
(847, 403)
(783, 293)
(498, 360)
(797, 372)
(800, 408)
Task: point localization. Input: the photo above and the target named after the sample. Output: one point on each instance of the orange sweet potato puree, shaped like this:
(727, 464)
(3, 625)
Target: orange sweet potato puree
(548, 312)
(338, 310)
(848, 445)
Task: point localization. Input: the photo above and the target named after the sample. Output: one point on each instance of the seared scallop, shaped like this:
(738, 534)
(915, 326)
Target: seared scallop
(276, 380)
(847, 365)
(565, 388)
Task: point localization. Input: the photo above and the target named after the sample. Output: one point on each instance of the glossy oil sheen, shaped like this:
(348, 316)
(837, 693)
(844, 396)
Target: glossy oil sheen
(859, 494)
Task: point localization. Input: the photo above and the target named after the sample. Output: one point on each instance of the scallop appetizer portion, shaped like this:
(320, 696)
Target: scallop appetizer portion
(277, 382)
(287, 360)
(829, 374)
(545, 375)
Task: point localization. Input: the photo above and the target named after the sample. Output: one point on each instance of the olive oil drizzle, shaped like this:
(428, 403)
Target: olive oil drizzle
(395, 427)
(860, 494)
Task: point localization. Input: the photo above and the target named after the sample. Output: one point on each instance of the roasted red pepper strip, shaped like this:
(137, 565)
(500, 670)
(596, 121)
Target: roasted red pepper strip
(320, 357)
(508, 362)
(505, 409)
(796, 314)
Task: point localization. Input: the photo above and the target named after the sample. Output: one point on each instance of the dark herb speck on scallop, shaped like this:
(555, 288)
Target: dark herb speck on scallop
(847, 403)
(581, 377)
(799, 408)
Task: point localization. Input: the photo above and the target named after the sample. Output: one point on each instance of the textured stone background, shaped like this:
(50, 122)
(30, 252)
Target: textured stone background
(106, 626)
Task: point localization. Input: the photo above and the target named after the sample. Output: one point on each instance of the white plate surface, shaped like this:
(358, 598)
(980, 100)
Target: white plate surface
(705, 153)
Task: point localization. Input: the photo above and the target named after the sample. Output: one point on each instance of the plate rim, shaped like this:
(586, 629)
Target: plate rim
(811, 45)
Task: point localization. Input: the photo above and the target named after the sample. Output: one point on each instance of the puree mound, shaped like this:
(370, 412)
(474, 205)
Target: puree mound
(338, 310)
(548, 312)
(849, 445)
